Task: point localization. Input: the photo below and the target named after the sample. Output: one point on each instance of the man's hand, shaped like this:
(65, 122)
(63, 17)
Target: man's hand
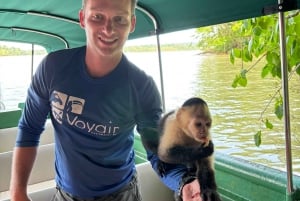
(21, 198)
(191, 191)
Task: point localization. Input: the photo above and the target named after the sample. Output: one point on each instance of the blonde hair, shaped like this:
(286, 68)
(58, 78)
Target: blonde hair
(133, 5)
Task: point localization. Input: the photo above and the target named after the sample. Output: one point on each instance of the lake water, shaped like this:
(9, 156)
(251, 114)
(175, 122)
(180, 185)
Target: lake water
(236, 111)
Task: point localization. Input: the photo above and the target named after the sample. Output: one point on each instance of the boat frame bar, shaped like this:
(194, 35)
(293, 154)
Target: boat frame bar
(156, 32)
(286, 5)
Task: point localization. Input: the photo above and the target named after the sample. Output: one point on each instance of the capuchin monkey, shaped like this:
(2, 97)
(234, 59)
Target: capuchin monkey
(185, 139)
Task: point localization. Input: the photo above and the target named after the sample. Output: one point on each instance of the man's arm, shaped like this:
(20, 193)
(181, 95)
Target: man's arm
(172, 178)
(23, 159)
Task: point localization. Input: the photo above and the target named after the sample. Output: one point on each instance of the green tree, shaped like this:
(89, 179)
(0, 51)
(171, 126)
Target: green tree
(262, 43)
(220, 38)
(257, 39)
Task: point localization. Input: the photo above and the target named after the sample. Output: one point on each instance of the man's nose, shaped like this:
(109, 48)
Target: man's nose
(108, 26)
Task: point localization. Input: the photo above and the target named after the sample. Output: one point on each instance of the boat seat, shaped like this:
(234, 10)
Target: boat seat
(42, 173)
(42, 185)
(8, 137)
(151, 186)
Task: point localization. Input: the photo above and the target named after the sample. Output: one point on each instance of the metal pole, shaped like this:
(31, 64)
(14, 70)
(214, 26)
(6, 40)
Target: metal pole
(156, 29)
(161, 72)
(32, 58)
(285, 92)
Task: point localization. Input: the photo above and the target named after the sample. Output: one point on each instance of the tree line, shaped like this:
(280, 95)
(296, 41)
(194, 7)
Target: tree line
(13, 51)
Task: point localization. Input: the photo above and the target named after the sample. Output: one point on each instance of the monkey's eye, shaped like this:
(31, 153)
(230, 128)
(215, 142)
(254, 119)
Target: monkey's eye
(208, 124)
(199, 124)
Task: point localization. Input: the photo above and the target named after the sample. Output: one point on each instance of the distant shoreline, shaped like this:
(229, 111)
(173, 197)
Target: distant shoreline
(164, 47)
(12, 51)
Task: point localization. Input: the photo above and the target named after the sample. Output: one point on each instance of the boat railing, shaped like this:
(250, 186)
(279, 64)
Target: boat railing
(9, 118)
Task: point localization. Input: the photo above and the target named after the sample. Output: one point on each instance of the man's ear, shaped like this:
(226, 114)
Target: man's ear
(133, 23)
(81, 18)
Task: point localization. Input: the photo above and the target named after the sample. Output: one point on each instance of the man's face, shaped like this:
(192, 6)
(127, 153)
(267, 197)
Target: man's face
(107, 24)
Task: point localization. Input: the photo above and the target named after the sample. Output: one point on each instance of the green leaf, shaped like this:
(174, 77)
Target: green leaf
(279, 108)
(297, 24)
(246, 55)
(279, 111)
(298, 69)
(257, 138)
(264, 23)
(235, 81)
(273, 58)
(240, 79)
(276, 71)
(243, 81)
(243, 73)
(257, 31)
(231, 57)
(236, 53)
(268, 124)
(265, 71)
(251, 44)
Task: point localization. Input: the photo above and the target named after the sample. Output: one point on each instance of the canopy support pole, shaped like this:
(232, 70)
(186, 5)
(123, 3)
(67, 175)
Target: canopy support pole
(285, 92)
(160, 71)
(32, 58)
(156, 31)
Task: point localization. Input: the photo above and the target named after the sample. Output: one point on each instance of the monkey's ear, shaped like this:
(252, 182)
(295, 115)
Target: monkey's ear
(180, 116)
(179, 113)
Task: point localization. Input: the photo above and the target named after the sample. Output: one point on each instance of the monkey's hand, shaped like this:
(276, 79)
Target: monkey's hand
(210, 195)
(180, 154)
(206, 151)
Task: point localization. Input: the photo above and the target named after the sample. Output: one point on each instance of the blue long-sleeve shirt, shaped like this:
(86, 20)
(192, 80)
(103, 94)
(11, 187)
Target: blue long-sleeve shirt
(93, 120)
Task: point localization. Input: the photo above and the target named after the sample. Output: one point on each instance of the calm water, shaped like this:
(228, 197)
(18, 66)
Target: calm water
(236, 112)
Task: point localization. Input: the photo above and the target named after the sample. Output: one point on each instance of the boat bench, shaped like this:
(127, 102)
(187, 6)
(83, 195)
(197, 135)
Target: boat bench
(42, 186)
(8, 137)
(42, 172)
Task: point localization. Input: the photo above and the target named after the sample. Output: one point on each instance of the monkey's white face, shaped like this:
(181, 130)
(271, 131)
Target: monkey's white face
(198, 128)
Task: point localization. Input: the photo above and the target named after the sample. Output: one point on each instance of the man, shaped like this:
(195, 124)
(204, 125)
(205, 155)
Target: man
(95, 98)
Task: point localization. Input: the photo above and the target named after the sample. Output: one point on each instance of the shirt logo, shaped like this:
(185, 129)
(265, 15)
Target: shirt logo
(62, 102)
(68, 109)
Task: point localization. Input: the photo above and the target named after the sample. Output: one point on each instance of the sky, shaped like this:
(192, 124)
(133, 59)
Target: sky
(185, 36)
(23, 46)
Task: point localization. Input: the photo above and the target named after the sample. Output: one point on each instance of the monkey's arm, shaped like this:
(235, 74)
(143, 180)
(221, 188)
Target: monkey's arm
(206, 176)
(184, 154)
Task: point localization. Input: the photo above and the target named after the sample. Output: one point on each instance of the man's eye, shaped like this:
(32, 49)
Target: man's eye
(97, 17)
(121, 20)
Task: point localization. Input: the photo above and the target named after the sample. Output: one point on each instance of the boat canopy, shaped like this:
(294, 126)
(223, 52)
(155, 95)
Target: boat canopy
(54, 23)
